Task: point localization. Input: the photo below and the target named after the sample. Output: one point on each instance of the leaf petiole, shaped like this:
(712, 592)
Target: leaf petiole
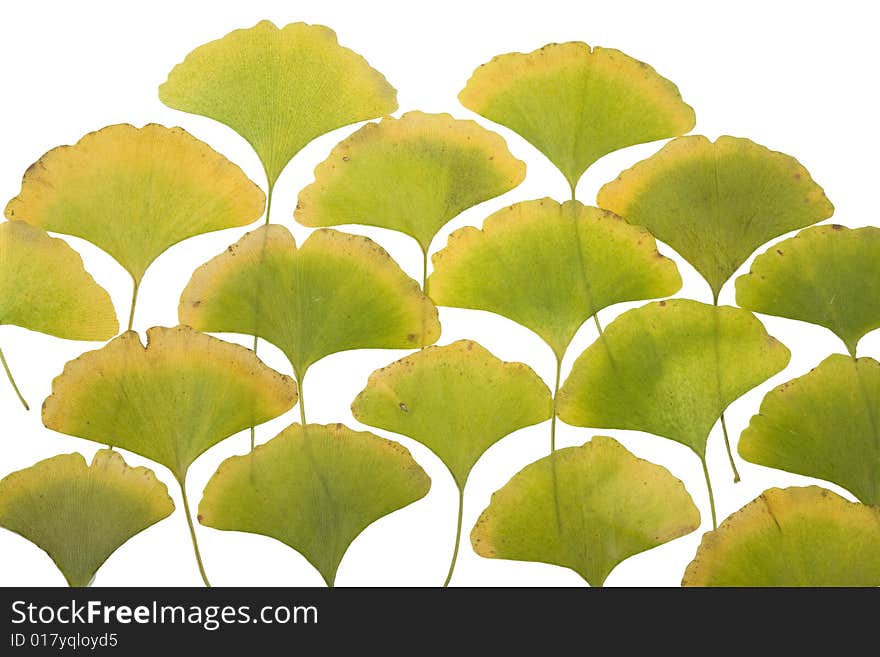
(12, 381)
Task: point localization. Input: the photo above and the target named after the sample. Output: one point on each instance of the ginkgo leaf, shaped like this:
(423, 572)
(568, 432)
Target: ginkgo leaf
(715, 203)
(670, 368)
(169, 401)
(826, 275)
(792, 537)
(458, 400)
(575, 103)
(44, 287)
(550, 267)
(314, 489)
(586, 508)
(825, 424)
(135, 192)
(279, 88)
(438, 167)
(81, 514)
(335, 292)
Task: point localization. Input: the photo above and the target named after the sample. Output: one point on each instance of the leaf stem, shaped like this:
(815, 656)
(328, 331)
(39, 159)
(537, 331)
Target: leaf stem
(271, 187)
(555, 395)
(736, 478)
(12, 381)
(457, 537)
(729, 453)
(425, 271)
(134, 298)
(709, 488)
(598, 325)
(302, 401)
(192, 533)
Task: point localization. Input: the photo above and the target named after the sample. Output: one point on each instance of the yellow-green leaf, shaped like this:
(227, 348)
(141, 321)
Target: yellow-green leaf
(670, 368)
(792, 537)
(279, 88)
(458, 400)
(81, 514)
(825, 424)
(335, 292)
(44, 287)
(826, 275)
(437, 167)
(134, 192)
(575, 103)
(550, 267)
(314, 489)
(715, 203)
(587, 508)
(169, 401)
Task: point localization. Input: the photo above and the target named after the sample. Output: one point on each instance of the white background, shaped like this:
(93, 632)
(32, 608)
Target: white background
(796, 77)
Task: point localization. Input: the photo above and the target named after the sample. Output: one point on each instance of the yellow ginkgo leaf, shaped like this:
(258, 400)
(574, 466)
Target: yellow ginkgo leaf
(169, 401)
(792, 537)
(333, 293)
(438, 166)
(135, 192)
(576, 103)
(44, 287)
(279, 88)
(80, 514)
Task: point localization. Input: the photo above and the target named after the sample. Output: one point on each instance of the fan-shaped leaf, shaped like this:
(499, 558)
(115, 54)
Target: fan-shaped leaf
(336, 292)
(826, 275)
(587, 508)
(44, 287)
(792, 537)
(170, 401)
(458, 400)
(438, 167)
(715, 203)
(315, 490)
(81, 514)
(278, 88)
(825, 424)
(670, 368)
(575, 103)
(550, 267)
(134, 192)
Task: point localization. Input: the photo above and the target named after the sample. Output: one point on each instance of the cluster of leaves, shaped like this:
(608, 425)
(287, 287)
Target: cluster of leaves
(669, 368)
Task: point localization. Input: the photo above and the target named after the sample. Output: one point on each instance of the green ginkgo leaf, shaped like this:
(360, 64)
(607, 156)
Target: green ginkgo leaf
(825, 424)
(826, 275)
(458, 400)
(81, 514)
(279, 88)
(586, 508)
(715, 203)
(438, 167)
(792, 537)
(670, 368)
(550, 267)
(314, 489)
(44, 287)
(335, 292)
(135, 192)
(169, 401)
(575, 103)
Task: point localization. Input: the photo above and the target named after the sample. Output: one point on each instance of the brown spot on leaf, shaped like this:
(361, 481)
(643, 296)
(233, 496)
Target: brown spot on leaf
(836, 227)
